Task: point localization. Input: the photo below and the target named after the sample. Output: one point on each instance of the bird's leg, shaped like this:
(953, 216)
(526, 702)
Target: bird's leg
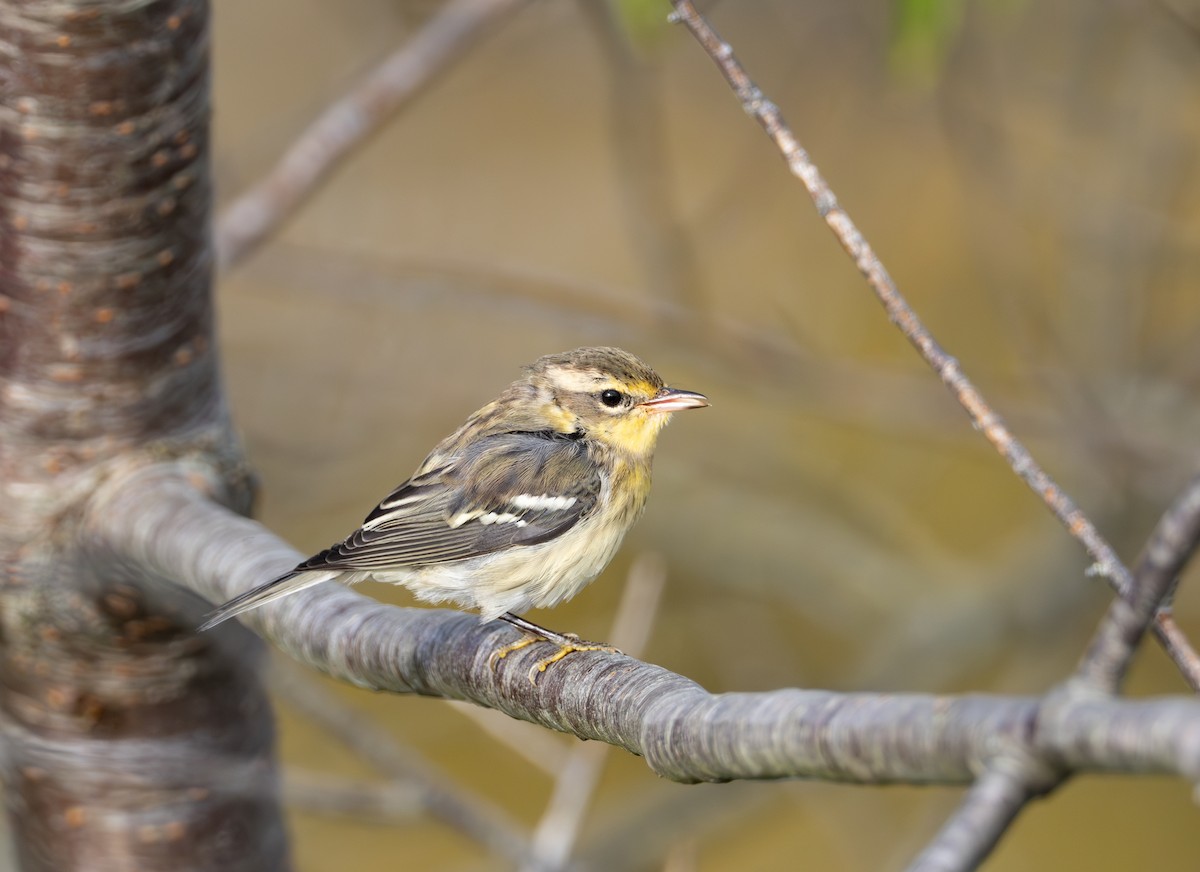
(537, 632)
(568, 643)
(533, 633)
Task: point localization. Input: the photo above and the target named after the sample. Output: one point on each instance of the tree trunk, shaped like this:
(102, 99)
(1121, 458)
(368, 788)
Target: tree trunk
(131, 743)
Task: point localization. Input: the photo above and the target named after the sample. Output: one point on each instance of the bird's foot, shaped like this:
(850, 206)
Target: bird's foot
(500, 653)
(569, 644)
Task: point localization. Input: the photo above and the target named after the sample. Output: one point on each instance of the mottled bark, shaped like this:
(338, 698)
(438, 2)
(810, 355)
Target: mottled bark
(129, 742)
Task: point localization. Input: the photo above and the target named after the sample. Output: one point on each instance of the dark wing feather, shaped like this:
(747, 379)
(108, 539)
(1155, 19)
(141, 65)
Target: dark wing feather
(506, 491)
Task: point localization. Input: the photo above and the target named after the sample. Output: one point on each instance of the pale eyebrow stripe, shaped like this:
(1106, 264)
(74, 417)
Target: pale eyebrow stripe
(583, 382)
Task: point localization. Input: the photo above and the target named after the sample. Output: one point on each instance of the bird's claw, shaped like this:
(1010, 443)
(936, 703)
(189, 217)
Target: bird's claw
(500, 653)
(569, 644)
(575, 644)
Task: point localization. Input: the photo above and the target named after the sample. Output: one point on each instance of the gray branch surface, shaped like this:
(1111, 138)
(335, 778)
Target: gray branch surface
(157, 517)
(976, 827)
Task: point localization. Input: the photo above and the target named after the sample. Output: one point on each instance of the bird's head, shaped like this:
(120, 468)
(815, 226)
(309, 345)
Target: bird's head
(608, 395)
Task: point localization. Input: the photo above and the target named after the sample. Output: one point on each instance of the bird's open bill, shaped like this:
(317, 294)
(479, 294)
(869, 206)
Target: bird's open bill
(675, 400)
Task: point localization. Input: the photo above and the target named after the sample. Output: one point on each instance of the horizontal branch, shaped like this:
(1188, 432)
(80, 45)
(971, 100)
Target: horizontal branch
(158, 518)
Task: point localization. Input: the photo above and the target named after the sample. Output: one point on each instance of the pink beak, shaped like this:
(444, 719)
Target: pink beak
(674, 400)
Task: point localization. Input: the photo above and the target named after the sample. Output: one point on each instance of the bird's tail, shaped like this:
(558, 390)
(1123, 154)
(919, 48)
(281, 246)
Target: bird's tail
(285, 585)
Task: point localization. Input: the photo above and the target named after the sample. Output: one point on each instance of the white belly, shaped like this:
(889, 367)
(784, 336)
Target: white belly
(537, 576)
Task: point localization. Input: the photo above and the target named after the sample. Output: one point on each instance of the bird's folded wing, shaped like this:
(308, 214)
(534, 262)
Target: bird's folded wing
(509, 490)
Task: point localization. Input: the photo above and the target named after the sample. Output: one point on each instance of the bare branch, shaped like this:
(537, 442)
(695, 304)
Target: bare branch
(643, 178)
(485, 823)
(905, 318)
(646, 825)
(1171, 545)
(899, 312)
(683, 857)
(638, 608)
(545, 751)
(1186, 657)
(320, 793)
(157, 518)
(1184, 22)
(351, 120)
(558, 829)
(992, 803)
(998, 796)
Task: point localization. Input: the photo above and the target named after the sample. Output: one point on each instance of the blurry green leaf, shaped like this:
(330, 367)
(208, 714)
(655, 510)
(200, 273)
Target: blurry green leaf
(644, 22)
(924, 31)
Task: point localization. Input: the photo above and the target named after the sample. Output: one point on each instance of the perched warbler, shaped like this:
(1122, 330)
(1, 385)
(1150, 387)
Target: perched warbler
(520, 507)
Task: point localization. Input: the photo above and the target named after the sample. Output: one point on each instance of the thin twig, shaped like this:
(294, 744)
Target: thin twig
(318, 793)
(1186, 23)
(351, 120)
(905, 318)
(1170, 546)
(990, 805)
(489, 825)
(545, 751)
(848, 391)
(638, 608)
(683, 857)
(638, 141)
(1172, 636)
(644, 828)
(899, 312)
(556, 833)
(998, 796)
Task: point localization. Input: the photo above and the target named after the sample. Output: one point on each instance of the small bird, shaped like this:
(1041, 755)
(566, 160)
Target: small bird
(520, 507)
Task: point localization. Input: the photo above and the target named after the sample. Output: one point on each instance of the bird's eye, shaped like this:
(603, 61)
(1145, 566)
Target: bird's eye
(611, 398)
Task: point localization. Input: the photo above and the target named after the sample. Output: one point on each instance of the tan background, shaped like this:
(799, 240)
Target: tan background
(832, 521)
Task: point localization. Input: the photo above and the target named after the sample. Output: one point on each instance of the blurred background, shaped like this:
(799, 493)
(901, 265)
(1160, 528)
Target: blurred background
(1027, 171)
